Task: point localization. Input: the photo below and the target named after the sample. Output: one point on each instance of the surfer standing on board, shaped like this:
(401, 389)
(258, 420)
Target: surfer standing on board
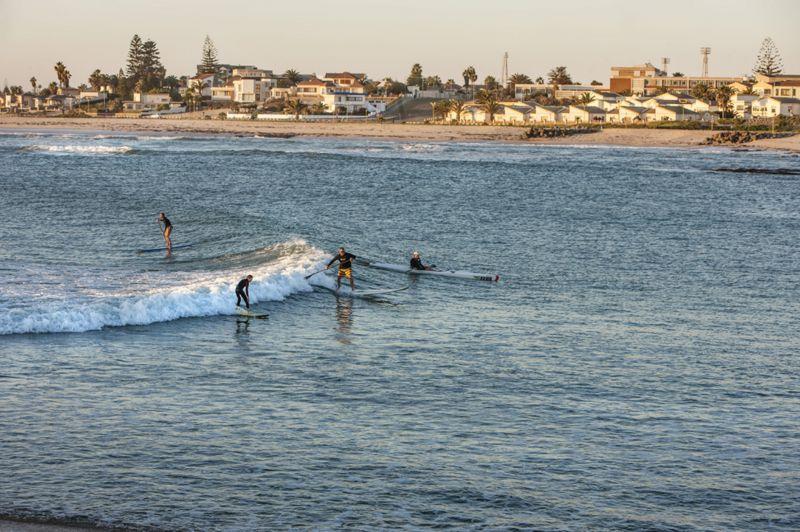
(243, 291)
(167, 231)
(345, 268)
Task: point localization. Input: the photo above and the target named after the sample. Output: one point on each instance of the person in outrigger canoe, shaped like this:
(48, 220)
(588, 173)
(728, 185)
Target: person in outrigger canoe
(243, 291)
(416, 262)
(345, 268)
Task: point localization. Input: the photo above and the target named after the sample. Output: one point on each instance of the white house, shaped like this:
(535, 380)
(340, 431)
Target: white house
(631, 113)
(776, 106)
(342, 99)
(741, 104)
(513, 113)
(223, 93)
(143, 101)
(585, 114)
(203, 82)
(548, 114)
(663, 113)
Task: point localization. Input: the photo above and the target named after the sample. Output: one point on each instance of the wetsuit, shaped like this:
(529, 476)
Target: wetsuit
(345, 264)
(167, 223)
(243, 292)
(416, 264)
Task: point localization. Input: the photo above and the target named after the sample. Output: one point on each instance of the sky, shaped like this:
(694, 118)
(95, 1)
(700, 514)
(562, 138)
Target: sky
(385, 37)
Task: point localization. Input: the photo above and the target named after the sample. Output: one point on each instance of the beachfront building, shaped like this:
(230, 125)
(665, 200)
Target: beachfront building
(143, 101)
(223, 93)
(741, 104)
(251, 86)
(664, 113)
(781, 85)
(606, 100)
(548, 114)
(585, 114)
(627, 114)
(513, 113)
(203, 82)
(348, 98)
(770, 106)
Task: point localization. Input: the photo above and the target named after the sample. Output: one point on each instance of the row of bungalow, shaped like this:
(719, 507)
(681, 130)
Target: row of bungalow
(607, 107)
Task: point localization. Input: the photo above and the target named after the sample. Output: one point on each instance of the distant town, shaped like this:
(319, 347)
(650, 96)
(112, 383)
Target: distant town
(635, 94)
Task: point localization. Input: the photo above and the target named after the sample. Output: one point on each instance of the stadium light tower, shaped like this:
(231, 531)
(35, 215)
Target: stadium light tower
(504, 71)
(665, 65)
(705, 51)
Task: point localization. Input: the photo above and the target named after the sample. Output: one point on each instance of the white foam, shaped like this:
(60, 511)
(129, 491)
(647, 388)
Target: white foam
(83, 150)
(207, 294)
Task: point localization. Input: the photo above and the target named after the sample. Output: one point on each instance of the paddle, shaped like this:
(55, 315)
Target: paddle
(310, 275)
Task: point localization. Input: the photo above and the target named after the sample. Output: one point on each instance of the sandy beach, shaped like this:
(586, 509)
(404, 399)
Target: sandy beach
(418, 132)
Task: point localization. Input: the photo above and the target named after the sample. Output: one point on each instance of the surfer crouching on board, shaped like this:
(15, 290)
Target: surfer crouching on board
(243, 291)
(416, 262)
(345, 268)
(167, 231)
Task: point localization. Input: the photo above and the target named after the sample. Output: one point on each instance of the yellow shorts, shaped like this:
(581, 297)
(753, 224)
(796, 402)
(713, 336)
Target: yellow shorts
(345, 272)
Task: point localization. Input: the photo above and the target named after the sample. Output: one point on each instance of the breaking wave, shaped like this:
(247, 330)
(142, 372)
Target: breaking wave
(81, 150)
(206, 293)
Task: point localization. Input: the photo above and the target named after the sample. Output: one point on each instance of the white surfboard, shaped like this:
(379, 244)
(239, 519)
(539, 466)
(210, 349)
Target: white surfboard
(154, 250)
(456, 274)
(346, 292)
(250, 314)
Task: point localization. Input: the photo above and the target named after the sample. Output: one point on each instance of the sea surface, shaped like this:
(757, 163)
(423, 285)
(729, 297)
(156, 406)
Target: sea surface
(635, 368)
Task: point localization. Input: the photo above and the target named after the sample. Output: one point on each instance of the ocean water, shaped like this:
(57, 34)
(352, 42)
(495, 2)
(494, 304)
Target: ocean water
(635, 368)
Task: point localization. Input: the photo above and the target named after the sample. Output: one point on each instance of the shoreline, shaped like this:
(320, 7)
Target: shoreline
(634, 137)
(11, 524)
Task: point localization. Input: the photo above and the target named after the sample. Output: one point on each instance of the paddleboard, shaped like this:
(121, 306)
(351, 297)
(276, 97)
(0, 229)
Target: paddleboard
(438, 273)
(153, 250)
(249, 313)
(346, 292)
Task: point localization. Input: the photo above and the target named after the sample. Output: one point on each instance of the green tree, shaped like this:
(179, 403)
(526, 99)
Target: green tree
(33, 83)
(585, 99)
(490, 83)
(415, 77)
(96, 79)
(62, 74)
(769, 62)
(723, 96)
(559, 76)
(487, 102)
(135, 58)
(470, 76)
(152, 71)
(53, 87)
(518, 79)
(432, 82)
(701, 91)
(457, 107)
(295, 107)
(677, 74)
(317, 109)
(208, 63)
(540, 80)
(293, 76)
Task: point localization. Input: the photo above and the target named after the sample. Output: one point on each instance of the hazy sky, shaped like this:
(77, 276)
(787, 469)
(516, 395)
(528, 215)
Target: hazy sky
(384, 38)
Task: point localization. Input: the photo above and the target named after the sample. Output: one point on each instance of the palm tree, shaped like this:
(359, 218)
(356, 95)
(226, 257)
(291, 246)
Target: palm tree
(96, 79)
(317, 109)
(33, 83)
(442, 108)
(457, 106)
(585, 99)
(53, 87)
(724, 95)
(60, 71)
(488, 103)
(192, 98)
(293, 76)
(296, 107)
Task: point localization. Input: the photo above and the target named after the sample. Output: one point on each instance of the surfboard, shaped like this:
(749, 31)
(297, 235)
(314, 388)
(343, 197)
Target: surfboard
(346, 292)
(176, 246)
(250, 314)
(456, 274)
